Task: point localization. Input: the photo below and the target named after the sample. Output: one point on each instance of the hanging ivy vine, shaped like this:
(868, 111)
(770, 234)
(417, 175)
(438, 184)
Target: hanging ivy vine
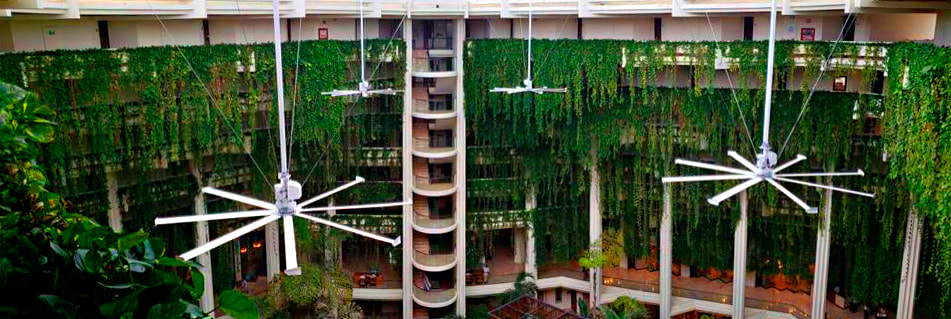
(631, 107)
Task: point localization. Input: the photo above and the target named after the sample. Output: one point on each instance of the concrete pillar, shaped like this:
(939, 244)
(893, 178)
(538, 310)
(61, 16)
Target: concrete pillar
(332, 248)
(207, 302)
(519, 241)
(115, 212)
(666, 232)
(909, 266)
(408, 172)
(942, 29)
(594, 216)
(531, 267)
(272, 242)
(459, 100)
(739, 260)
(823, 240)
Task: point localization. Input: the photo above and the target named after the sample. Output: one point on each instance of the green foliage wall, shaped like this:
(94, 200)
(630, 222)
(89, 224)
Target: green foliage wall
(155, 114)
(631, 111)
(918, 132)
(133, 110)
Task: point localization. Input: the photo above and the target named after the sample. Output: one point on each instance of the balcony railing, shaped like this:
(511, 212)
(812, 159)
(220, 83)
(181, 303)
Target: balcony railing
(776, 306)
(434, 259)
(426, 220)
(433, 184)
(434, 296)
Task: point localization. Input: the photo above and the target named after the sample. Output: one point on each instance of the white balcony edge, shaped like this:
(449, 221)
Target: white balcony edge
(435, 155)
(434, 231)
(434, 116)
(434, 74)
(441, 193)
(436, 304)
(377, 294)
(434, 268)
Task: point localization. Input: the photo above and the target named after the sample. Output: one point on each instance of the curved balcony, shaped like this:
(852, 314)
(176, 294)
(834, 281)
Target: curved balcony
(424, 223)
(433, 67)
(427, 148)
(433, 109)
(434, 298)
(434, 262)
(433, 187)
(434, 74)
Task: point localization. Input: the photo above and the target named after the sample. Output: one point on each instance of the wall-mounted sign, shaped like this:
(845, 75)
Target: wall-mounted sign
(322, 33)
(807, 34)
(839, 84)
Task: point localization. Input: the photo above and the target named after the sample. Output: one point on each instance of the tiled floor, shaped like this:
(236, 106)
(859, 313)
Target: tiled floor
(356, 263)
(569, 269)
(502, 267)
(713, 290)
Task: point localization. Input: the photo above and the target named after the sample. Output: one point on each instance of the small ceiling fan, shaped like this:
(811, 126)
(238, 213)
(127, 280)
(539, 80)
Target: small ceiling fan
(363, 88)
(528, 78)
(765, 168)
(286, 194)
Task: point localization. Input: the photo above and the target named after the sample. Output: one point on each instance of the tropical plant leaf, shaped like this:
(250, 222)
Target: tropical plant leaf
(237, 305)
(166, 310)
(121, 307)
(130, 240)
(60, 306)
(197, 286)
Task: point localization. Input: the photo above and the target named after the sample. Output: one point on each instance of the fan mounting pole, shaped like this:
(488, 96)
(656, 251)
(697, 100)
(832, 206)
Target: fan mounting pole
(769, 87)
(528, 76)
(284, 176)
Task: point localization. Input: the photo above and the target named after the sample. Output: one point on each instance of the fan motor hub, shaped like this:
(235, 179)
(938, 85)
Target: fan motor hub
(286, 196)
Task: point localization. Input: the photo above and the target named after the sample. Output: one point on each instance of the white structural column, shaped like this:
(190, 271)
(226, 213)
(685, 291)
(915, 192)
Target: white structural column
(942, 31)
(407, 153)
(820, 280)
(115, 214)
(207, 301)
(594, 216)
(272, 240)
(460, 131)
(531, 267)
(739, 260)
(909, 266)
(666, 257)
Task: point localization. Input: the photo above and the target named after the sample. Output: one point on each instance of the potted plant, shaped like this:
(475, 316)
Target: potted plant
(374, 266)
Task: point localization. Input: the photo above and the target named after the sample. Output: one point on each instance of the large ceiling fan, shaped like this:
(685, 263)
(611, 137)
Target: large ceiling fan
(528, 75)
(363, 88)
(765, 168)
(286, 194)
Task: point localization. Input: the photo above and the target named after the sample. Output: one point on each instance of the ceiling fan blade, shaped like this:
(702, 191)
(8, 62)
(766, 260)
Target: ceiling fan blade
(239, 198)
(228, 237)
(736, 156)
(712, 167)
(358, 180)
(341, 93)
(508, 90)
(838, 189)
(383, 91)
(793, 197)
(363, 206)
(856, 173)
(716, 200)
(393, 242)
(547, 90)
(703, 178)
(207, 217)
(290, 247)
(799, 158)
